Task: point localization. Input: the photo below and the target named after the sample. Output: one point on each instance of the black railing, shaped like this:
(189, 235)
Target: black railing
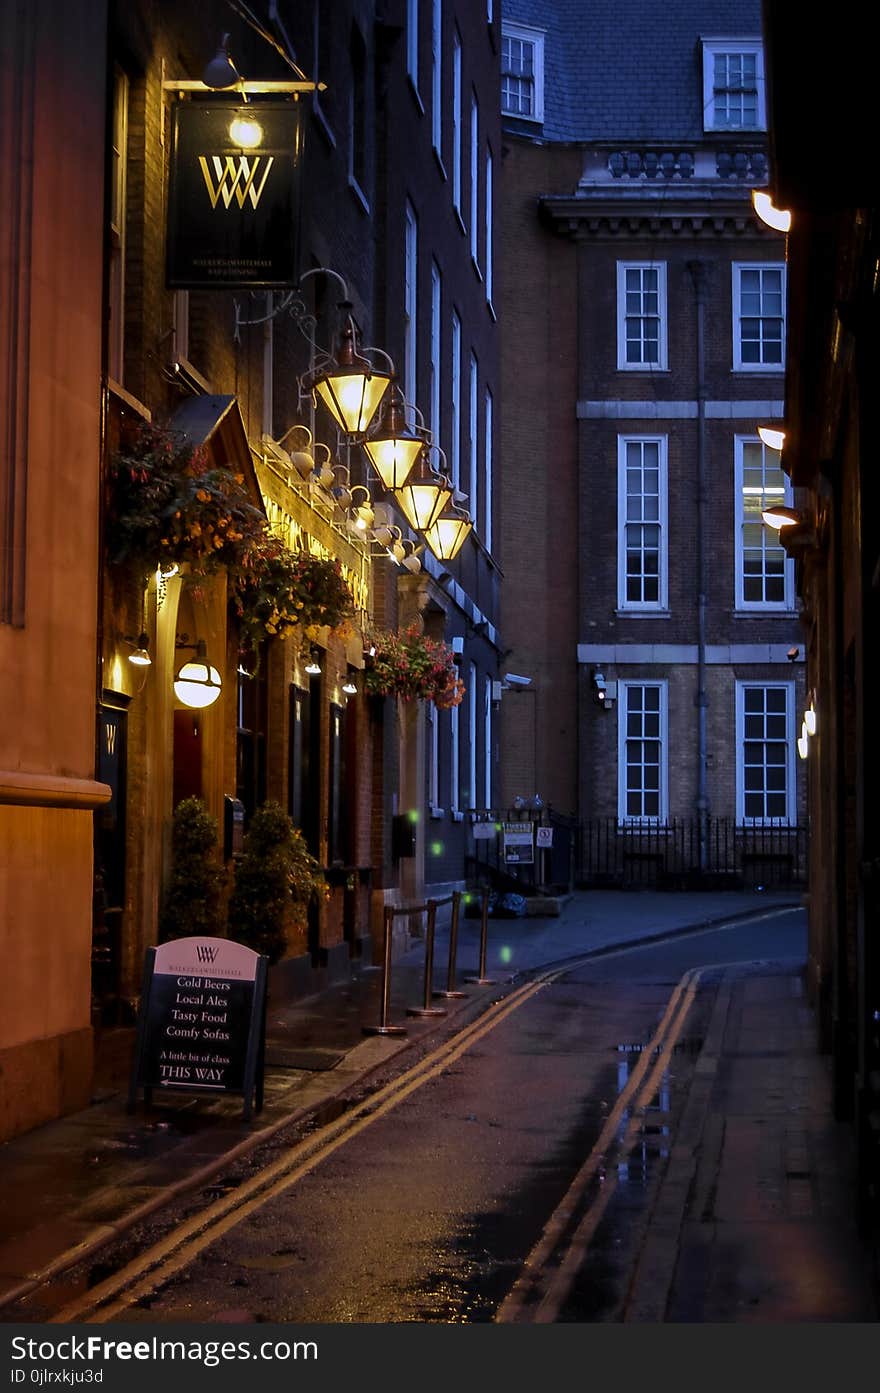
(683, 855)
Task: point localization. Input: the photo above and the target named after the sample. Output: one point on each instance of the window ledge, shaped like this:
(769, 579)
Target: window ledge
(436, 813)
(643, 613)
(642, 367)
(457, 816)
(763, 612)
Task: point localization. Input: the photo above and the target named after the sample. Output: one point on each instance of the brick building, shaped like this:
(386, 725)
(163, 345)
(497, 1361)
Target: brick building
(644, 316)
(395, 157)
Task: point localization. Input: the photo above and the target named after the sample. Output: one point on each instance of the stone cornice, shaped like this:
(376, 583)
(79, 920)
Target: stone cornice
(697, 210)
(51, 791)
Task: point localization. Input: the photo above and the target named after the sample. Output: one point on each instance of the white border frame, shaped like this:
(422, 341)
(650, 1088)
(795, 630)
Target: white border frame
(740, 604)
(535, 37)
(736, 315)
(790, 818)
(623, 688)
(732, 45)
(663, 360)
(662, 603)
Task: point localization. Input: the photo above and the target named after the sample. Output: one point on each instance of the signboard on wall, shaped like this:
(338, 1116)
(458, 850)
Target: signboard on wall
(233, 208)
(201, 1024)
(519, 843)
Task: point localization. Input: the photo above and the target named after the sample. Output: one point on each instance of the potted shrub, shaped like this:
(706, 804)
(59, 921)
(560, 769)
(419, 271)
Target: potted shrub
(410, 665)
(275, 878)
(193, 902)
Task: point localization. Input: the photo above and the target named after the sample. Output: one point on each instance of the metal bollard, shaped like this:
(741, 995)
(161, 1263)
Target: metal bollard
(453, 949)
(383, 1028)
(426, 1009)
(482, 980)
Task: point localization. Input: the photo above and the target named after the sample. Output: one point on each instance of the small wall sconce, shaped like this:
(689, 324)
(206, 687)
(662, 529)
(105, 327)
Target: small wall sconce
(349, 685)
(313, 666)
(140, 655)
(197, 683)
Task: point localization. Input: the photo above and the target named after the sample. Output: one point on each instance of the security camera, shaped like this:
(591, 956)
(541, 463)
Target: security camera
(793, 654)
(514, 680)
(599, 680)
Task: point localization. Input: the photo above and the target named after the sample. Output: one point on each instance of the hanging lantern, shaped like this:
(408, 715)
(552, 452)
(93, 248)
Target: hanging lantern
(352, 389)
(446, 536)
(393, 449)
(424, 496)
(198, 684)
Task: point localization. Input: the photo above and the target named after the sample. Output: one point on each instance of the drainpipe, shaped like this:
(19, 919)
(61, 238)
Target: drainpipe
(698, 271)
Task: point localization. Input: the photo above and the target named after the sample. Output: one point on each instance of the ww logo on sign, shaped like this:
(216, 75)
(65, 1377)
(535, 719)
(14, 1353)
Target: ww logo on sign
(205, 953)
(235, 178)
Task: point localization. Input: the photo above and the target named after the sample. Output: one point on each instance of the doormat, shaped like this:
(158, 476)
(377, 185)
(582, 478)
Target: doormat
(279, 1057)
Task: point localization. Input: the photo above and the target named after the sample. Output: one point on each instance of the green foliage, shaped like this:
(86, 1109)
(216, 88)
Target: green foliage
(408, 664)
(278, 590)
(275, 878)
(167, 504)
(193, 902)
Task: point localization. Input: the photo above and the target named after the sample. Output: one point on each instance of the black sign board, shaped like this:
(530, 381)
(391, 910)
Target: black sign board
(202, 1021)
(233, 207)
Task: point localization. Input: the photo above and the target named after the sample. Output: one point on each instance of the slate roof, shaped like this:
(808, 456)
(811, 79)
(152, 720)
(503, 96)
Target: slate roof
(626, 69)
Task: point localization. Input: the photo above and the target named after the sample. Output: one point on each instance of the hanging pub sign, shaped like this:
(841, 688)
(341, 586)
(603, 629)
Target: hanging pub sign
(233, 204)
(202, 1021)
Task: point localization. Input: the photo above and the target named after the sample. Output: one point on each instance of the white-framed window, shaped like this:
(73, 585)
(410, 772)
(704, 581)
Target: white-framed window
(116, 286)
(487, 471)
(437, 75)
(412, 42)
(642, 752)
(764, 574)
(455, 402)
(758, 316)
(433, 761)
(454, 761)
(487, 741)
(473, 427)
(436, 302)
(733, 85)
(642, 491)
(472, 735)
(410, 301)
(488, 215)
(641, 314)
(522, 72)
(765, 752)
(457, 132)
(475, 179)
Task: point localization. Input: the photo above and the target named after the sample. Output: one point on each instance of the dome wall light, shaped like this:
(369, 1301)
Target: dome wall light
(448, 533)
(349, 686)
(140, 655)
(780, 516)
(197, 683)
(352, 388)
(777, 218)
(313, 666)
(772, 437)
(810, 723)
(803, 746)
(393, 448)
(221, 72)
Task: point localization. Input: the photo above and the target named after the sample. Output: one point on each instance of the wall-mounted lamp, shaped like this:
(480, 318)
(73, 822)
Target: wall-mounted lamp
(139, 655)
(313, 666)
(245, 132)
(393, 448)
(221, 73)
(781, 515)
(810, 723)
(197, 683)
(446, 536)
(411, 560)
(424, 496)
(777, 218)
(772, 437)
(349, 686)
(599, 683)
(351, 388)
(793, 654)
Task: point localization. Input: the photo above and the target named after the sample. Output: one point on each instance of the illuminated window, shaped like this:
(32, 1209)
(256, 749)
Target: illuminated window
(764, 578)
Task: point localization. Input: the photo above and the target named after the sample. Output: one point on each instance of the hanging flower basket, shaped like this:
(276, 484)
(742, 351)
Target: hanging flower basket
(277, 590)
(166, 503)
(410, 665)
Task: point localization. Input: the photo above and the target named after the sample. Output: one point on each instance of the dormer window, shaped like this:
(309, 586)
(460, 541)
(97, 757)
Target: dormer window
(733, 85)
(522, 72)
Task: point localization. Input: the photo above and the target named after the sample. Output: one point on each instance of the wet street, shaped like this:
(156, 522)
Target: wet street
(513, 1181)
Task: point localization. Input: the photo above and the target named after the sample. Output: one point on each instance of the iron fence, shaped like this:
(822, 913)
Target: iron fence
(551, 869)
(683, 855)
